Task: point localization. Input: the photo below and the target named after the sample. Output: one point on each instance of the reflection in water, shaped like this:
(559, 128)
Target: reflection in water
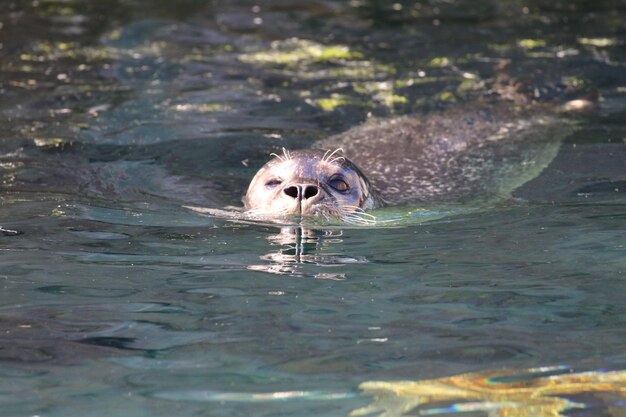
(300, 246)
(537, 393)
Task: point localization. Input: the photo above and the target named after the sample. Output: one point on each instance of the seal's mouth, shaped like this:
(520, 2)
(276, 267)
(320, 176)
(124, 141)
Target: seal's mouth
(315, 213)
(344, 214)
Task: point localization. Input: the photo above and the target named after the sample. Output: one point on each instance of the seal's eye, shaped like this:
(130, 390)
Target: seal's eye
(273, 183)
(339, 184)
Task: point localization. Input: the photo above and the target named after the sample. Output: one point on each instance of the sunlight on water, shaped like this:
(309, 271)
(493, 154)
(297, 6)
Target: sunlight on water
(530, 395)
(210, 396)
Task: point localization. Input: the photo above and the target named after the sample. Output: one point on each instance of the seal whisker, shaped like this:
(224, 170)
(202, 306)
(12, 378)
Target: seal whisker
(328, 158)
(256, 214)
(365, 219)
(287, 154)
(361, 219)
(355, 219)
(337, 158)
(361, 215)
(359, 210)
(357, 215)
(277, 156)
(325, 215)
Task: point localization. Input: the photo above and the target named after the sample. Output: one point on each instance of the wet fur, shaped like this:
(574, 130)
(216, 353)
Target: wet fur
(475, 150)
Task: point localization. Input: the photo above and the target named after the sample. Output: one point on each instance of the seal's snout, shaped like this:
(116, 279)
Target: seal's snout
(301, 191)
(302, 198)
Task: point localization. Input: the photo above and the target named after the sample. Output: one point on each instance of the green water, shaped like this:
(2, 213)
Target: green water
(118, 300)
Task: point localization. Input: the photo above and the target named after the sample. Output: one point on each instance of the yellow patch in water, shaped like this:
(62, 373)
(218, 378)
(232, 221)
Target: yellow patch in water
(531, 43)
(296, 51)
(57, 212)
(500, 393)
(332, 102)
(380, 91)
(446, 96)
(598, 42)
(440, 61)
(50, 142)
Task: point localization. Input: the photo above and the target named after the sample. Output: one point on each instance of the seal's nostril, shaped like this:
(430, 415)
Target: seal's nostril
(301, 191)
(292, 191)
(310, 191)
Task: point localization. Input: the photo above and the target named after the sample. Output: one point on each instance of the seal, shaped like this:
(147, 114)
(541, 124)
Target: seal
(473, 153)
(310, 182)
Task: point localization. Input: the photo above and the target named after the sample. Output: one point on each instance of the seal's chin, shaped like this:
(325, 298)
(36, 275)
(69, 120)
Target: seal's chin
(316, 212)
(322, 210)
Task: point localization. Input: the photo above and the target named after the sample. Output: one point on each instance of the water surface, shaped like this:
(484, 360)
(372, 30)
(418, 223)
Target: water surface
(118, 300)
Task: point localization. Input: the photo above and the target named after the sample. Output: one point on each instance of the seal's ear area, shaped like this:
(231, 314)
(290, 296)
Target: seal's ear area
(370, 200)
(244, 199)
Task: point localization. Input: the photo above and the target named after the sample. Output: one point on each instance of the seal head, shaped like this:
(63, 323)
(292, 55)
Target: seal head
(309, 183)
